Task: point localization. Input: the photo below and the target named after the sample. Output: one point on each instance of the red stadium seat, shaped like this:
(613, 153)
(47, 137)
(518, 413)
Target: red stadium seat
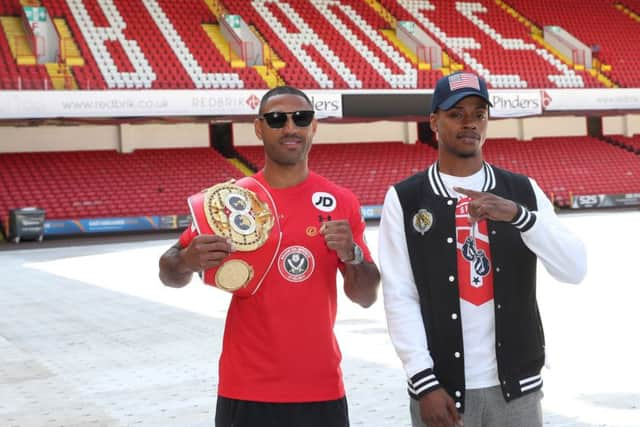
(481, 36)
(81, 184)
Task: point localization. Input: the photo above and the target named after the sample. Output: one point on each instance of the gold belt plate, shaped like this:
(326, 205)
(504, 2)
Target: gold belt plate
(237, 213)
(233, 275)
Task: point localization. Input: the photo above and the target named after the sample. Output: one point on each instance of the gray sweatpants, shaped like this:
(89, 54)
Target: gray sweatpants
(486, 407)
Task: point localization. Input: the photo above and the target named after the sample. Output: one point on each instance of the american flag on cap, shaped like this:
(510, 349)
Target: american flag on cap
(463, 80)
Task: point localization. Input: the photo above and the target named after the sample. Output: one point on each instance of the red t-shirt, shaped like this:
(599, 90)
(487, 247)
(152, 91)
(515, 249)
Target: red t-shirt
(279, 344)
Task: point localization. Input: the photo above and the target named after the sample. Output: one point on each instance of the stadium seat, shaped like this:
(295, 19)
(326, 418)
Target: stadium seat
(80, 184)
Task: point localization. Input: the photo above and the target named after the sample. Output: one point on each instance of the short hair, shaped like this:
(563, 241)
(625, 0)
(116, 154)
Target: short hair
(283, 90)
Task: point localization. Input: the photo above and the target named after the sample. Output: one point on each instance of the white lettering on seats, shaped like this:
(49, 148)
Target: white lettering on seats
(306, 36)
(179, 48)
(470, 11)
(143, 75)
(462, 45)
(408, 78)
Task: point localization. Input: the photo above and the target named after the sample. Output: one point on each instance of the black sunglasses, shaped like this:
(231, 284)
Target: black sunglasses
(277, 119)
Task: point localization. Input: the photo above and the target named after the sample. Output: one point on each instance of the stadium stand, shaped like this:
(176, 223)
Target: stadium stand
(8, 67)
(203, 58)
(13, 76)
(93, 184)
(291, 33)
(88, 76)
(372, 59)
(368, 168)
(485, 38)
(125, 48)
(169, 44)
(10, 7)
(596, 23)
(153, 182)
(160, 44)
(628, 143)
(569, 166)
(562, 166)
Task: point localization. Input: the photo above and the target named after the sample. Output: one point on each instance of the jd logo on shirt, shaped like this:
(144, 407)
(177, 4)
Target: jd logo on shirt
(324, 201)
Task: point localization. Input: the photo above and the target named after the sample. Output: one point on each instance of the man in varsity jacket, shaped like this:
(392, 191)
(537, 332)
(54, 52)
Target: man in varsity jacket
(458, 249)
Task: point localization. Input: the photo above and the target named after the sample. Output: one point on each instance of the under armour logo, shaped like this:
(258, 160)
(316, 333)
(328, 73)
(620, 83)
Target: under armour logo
(322, 219)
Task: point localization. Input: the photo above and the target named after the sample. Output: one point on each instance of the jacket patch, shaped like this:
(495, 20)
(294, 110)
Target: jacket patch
(422, 221)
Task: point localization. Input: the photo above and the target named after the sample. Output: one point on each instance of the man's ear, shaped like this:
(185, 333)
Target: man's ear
(433, 122)
(257, 129)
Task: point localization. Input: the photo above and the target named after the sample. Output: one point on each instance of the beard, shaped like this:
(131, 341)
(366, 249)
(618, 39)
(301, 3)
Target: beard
(283, 157)
(461, 154)
(466, 155)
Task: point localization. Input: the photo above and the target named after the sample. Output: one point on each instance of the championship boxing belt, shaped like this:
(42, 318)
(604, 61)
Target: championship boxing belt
(244, 212)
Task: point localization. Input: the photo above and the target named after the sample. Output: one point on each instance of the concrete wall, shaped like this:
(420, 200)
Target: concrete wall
(58, 138)
(125, 137)
(504, 128)
(366, 132)
(243, 134)
(537, 127)
(633, 124)
(164, 136)
(627, 125)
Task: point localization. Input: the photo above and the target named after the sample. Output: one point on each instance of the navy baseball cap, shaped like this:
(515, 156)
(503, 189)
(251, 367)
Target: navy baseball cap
(452, 88)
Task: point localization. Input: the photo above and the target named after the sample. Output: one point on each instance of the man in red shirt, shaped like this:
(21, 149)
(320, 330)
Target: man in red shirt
(280, 362)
